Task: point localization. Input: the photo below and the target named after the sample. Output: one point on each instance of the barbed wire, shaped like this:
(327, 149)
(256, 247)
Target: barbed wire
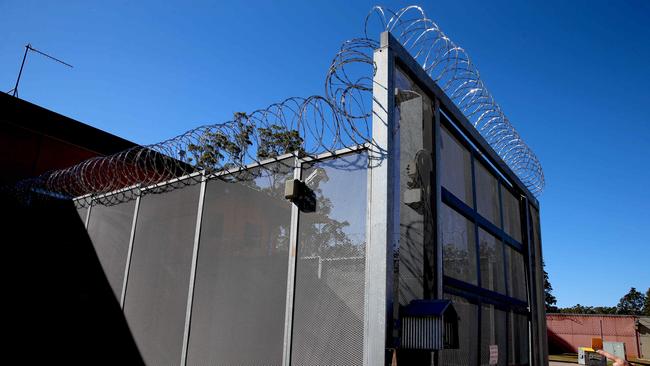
(451, 68)
(303, 126)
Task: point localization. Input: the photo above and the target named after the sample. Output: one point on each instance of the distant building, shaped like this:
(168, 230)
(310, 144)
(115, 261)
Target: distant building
(567, 332)
(34, 140)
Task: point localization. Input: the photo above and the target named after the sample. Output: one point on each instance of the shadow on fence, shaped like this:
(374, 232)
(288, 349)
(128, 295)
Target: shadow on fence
(61, 308)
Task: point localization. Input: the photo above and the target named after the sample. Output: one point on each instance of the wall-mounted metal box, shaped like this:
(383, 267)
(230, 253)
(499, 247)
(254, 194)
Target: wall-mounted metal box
(429, 325)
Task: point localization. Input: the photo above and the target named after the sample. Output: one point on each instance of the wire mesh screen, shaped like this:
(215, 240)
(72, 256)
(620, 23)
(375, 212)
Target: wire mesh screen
(493, 336)
(330, 269)
(157, 287)
(109, 228)
(466, 354)
(82, 211)
(518, 346)
(241, 279)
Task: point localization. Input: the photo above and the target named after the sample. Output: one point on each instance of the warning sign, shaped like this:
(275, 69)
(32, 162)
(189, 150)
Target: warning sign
(494, 354)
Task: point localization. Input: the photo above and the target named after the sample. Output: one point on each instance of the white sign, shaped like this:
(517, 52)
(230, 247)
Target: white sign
(494, 354)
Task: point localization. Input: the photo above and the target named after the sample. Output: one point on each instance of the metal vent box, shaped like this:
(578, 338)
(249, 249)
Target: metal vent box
(429, 325)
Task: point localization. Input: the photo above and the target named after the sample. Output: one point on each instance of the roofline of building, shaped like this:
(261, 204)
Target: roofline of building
(599, 315)
(32, 117)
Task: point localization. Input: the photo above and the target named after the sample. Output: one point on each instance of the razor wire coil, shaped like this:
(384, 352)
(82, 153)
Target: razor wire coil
(309, 126)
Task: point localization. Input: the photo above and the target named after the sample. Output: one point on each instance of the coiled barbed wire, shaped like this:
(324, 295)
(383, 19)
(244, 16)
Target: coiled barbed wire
(304, 126)
(451, 68)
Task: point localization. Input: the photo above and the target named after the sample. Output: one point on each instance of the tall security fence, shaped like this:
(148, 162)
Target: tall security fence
(304, 233)
(211, 274)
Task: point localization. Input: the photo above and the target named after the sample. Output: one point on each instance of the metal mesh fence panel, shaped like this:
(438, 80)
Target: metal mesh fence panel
(330, 270)
(458, 246)
(241, 276)
(516, 269)
(493, 336)
(518, 346)
(157, 287)
(456, 168)
(466, 354)
(511, 214)
(109, 228)
(491, 257)
(487, 195)
(82, 211)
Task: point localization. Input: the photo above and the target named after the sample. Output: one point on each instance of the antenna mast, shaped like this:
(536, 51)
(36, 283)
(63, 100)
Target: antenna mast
(28, 48)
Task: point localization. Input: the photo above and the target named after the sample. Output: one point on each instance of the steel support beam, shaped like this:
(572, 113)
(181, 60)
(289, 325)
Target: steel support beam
(383, 213)
(129, 253)
(291, 272)
(195, 253)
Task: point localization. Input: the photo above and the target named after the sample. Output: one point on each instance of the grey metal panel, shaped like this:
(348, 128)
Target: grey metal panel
(492, 262)
(493, 334)
(417, 243)
(158, 279)
(414, 70)
(466, 354)
(459, 246)
(456, 175)
(518, 344)
(109, 228)
(83, 215)
(487, 195)
(538, 308)
(412, 67)
(615, 348)
(516, 274)
(511, 214)
(239, 303)
(328, 322)
(411, 243)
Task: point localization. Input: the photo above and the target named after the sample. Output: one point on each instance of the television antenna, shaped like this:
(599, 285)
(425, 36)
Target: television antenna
(28, 47)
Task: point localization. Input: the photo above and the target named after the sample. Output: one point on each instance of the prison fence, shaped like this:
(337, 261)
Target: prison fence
(204, 273)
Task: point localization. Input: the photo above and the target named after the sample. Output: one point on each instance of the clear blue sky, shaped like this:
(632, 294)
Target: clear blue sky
(573, 76)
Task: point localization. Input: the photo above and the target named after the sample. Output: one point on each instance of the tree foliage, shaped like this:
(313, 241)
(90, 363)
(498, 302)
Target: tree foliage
(321, 234)
(582, 309)
(632, 303)
(277, 140)
(549, 299)
(213, 148)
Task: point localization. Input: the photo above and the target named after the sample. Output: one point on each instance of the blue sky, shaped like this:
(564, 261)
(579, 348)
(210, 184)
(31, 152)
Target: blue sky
(573, 77)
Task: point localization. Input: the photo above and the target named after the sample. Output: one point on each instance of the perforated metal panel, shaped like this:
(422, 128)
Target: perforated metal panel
(330, 270)
(241, 277)
(491, 257)
(518, 346)
(516, 274)
(109, 228)
(493, 335)
(466, 354)
(82, 211)
(158, 283)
